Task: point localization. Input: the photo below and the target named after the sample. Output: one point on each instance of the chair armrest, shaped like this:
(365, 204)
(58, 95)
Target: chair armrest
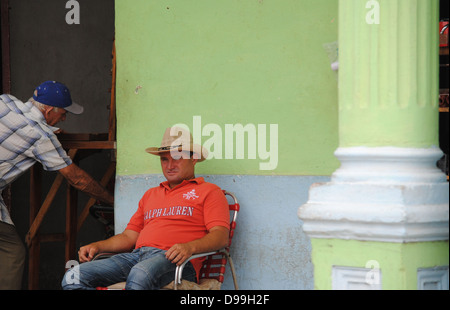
(179, 269)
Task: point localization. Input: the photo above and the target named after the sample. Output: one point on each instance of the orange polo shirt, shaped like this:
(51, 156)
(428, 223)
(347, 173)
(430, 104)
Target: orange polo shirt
(184, 213)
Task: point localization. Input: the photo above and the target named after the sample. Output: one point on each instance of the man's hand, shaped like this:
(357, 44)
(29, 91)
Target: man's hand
(87, 252)
(179, 252)
(216, 239)
(120, 243)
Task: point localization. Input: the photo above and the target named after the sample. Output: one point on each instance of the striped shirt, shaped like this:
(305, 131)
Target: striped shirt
(25, 138)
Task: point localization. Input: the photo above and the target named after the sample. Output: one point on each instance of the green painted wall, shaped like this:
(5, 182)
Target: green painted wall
(228, 61)
(398, 262)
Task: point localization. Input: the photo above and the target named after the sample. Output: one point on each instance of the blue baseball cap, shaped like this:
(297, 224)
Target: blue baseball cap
(55, 94)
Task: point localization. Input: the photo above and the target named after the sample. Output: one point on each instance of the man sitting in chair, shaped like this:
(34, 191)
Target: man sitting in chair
(182, 216)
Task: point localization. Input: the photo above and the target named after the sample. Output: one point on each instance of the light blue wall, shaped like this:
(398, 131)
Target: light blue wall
(270, 249)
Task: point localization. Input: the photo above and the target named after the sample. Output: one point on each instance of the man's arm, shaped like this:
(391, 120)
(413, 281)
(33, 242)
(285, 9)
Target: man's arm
(216, 239)
(82, 181)
(123, 242)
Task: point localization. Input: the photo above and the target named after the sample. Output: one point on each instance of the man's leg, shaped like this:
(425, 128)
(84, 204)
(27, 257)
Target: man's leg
(103, 272)
(12, 258)
(154, 271)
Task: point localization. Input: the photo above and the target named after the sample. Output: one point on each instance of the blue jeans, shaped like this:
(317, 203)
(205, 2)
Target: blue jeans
(145, 268)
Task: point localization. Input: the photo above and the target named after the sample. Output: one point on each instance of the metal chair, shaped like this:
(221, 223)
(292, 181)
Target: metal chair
(213, 269)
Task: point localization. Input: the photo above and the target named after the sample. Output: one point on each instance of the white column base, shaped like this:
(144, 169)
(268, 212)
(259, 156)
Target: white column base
(381, 194)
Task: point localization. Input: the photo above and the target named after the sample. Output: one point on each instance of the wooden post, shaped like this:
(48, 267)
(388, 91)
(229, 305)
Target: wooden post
(71, 223)
(35, 205)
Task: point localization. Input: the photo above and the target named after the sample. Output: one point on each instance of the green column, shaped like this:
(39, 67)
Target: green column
(388, 73)
(382, 220)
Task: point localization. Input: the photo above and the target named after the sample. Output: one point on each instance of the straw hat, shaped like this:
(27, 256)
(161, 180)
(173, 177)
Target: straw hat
(177, 139)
